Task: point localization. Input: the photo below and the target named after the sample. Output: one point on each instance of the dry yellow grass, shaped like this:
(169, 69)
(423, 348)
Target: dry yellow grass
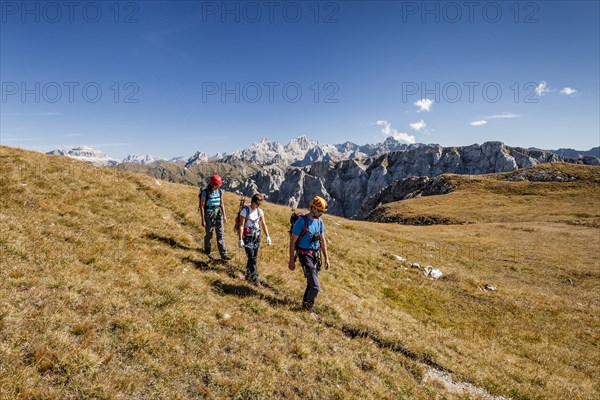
(495, 198)
(104, 294)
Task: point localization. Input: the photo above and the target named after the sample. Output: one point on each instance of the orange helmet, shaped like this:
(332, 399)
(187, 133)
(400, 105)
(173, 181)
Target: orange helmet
(319, 203)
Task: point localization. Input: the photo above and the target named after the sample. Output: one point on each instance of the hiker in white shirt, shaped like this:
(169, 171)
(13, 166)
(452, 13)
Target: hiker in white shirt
(252, 218)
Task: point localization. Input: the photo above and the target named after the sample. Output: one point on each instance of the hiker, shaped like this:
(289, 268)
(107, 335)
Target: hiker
(307, 242)
(251, 219)
(212, 212)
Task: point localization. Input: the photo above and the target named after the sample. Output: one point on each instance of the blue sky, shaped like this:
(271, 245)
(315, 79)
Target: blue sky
(171, 78)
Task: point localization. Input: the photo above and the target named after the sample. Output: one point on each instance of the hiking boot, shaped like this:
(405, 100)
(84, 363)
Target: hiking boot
(311, 311)
(255, 282)
(308, 307)
(226, 257)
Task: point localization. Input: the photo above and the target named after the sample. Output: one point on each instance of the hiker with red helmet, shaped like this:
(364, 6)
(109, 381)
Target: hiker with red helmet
(212, 213)
(307, 242)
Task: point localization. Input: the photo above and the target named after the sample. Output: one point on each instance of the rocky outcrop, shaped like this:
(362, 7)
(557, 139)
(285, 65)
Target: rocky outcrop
(587, 160)
(404, 189)
(541, 175)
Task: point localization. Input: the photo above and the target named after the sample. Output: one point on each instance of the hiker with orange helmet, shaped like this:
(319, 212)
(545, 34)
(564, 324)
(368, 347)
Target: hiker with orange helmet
(307, 242)
(212, 213)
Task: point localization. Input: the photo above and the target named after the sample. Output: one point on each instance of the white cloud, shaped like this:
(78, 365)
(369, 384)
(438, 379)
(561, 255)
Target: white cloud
(504, 115)
(479, 122)
(568, 91)
(418, 126)
(542, 89)
(387, 130)
(424, 105)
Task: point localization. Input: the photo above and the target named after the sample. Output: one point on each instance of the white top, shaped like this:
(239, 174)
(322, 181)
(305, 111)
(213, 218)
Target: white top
(252, 219)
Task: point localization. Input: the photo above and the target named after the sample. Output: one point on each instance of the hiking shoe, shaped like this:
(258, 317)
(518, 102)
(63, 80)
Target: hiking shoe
(309, 307)
(226, 257)
(255, 282)
(311, 311)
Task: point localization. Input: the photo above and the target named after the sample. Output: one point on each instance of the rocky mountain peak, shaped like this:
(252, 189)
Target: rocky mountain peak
(87, 154)
(301, 143)
(197, 158)
(266, 145)
(141, 160)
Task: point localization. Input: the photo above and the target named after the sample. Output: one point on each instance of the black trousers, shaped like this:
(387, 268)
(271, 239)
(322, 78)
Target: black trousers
(252, 244)
(311, 273)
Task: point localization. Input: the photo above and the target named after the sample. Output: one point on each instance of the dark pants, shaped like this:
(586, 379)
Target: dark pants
(251, 245)
(311, 273)
(214, 223)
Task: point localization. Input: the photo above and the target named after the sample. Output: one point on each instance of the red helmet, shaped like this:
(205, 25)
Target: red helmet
(216, 180)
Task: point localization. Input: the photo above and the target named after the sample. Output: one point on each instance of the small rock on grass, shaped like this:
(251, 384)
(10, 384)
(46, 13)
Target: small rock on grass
(487, 288)
(433, 273)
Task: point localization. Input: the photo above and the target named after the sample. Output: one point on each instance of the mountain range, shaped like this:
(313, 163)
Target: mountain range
(352, 178)
(99, 158)
(299, 152)
(304, 151)
(349, 184)
(572, 153)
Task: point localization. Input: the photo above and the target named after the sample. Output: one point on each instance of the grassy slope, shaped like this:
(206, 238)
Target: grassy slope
(193, 175)
(493, 198)
(105, 294)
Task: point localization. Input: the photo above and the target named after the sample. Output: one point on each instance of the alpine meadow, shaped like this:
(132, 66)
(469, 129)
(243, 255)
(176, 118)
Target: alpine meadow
(105, 293)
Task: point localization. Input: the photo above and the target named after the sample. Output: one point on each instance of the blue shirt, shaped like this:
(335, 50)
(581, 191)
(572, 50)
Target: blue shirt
(314, 226)
(213, 198)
